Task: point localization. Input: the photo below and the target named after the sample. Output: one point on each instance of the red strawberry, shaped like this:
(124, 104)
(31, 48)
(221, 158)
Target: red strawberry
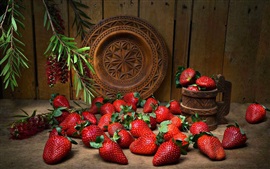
(94, 109)
(59, 101)
(162, 114)
(149, 105)
(139, 128)
(56, 149)
(132, 97)
(70, 121)
(198, 125)
(174, 107)
(153, 123)
(206, 83)
(168, 130)
(167, 153)
(87, 115)
(187, 77)
(110, 151)
(57, 131)
(182, 137)
(123, 138)
(132, 105)
(211, 147)
(144, 145)
(233, 137)
(113, 127)
(118, 103)
(193, 88)
(179, 121)
(255, 113)
(107, 108)
(62, 117)
(90, 134)
(104, 121)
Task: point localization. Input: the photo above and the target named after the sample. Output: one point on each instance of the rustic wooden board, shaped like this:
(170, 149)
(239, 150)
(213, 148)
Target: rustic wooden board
(27, 84)
(181, 42)
(262, 80)
(95, 13)
(161, 15)
(242, 43)
(42, 40)
(120, 7)
(208, 36)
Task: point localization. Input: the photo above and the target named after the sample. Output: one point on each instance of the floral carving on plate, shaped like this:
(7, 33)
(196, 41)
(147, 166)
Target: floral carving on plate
(128, 55)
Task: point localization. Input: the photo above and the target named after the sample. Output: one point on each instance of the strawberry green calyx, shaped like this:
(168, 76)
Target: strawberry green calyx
(98, 143)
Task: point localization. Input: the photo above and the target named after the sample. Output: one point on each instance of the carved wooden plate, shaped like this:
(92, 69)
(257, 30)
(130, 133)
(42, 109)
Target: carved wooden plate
(128, 55)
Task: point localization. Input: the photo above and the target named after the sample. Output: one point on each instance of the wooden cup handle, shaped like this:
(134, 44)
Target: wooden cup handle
(223, 102)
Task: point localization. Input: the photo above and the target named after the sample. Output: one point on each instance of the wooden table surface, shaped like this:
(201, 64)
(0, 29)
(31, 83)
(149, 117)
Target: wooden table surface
(28, 153)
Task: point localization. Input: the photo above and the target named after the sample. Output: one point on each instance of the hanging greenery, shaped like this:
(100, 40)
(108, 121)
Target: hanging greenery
(62, 52)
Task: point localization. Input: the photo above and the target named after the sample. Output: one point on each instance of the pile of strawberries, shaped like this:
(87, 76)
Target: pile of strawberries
(193, 80)
(130, 122)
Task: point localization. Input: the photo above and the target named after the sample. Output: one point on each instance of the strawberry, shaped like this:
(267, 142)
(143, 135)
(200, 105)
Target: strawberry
(167, 153)
(144, 145)
(58, 100)
(139, 128)
(94, 109)
(110, 151)
(193, 88)
(57, 131)
(179, 122)
(123, 138)
(132, 98)
(90, 134)
(255, 113)
(107, 108)
(153, 122)
(62, 116)
(206, 83)
(132, 105)
(210, 146)
(174, 107)
(168, 130)
(118, 103)
(87, 115)
(150, 105)
(187, 77)
(56, 149)
(182, 137)
(104, 121)
(113, 127)
(75, 131)
(198, 125)
(233, 137)
(162, 114)
(70, 121)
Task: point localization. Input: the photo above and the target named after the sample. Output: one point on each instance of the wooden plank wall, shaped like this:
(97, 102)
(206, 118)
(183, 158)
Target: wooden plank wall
(230, 37)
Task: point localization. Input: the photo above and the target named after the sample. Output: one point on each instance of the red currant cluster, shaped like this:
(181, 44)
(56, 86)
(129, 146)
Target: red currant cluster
(28, 127)
(56, 70)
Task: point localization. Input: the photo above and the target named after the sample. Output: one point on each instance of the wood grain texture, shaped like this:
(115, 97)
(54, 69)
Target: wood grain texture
(26, 82)
(181, 42)
(262, 72)
(160, 14)
(208, 36)
(42, 39)
(241, 48)
(120, 7)
(227, 36)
